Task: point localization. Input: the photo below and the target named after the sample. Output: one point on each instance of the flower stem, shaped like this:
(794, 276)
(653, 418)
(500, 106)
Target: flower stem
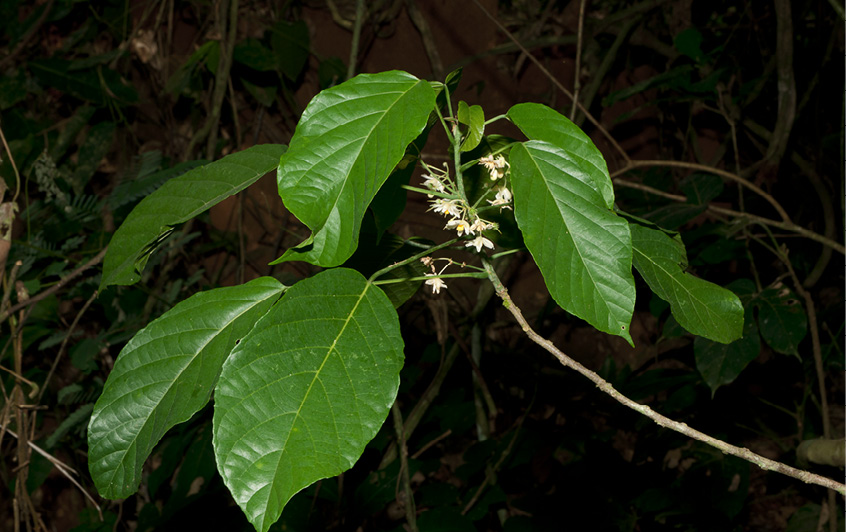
(471, 275)
(411, 259)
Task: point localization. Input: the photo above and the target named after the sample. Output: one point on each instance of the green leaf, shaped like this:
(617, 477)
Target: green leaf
(347, 143)
(164, 375)
(265, 95)
(177, 201)
(180, 79)
(702, 308)
(306, 389)
(54, 73)
(781, 319)
(721, 364)
(701, 188)
(97, 144)
(253, 54)
(583, 250)
(539, 122)
(290, 44)
(474, 118)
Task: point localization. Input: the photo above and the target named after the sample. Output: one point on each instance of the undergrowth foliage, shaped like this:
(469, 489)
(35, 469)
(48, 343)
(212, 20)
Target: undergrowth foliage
(304, 376)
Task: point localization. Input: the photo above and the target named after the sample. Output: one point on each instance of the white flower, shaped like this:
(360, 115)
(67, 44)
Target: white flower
(503, 197)
(433, 183)
(436, 284)
(462, 227)
(479, 225)
(447, 207)
(478, 242)
(496, 166)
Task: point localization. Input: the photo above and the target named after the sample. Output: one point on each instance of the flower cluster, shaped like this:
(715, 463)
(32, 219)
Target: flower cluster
(461, 217)
(497, 167)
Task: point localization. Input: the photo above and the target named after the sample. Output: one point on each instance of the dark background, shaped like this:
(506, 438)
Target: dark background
(101, 102)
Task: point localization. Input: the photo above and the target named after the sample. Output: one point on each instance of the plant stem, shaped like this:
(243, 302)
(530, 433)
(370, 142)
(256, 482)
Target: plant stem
(411, 259)
(682, 428)
(577, 85)
(471, 275)
(359, 20)
(408, 500)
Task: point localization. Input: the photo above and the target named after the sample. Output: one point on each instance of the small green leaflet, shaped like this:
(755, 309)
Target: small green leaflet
(305, 390)
(781, 319)
(473, 116)
(720, 364)
(702, 308)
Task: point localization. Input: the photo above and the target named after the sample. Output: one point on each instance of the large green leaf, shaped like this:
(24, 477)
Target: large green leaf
(347, 143)
(164, 375)
(539, 122)
(304, 392)
(177, 201)
(583, 250)
(702, 308)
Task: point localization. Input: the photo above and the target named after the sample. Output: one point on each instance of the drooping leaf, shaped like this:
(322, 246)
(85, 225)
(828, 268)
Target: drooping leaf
(539, 122)
(290, 44)
(702, 308)
(306, 389)
(54, 73)
(252, 53)
(331, 72)
(180, 79)
(164, 375)
(472, 116)
(265, 95)
(347, 143)
(583, 250)
(701, 188)
(781, 319)
(177, 201)
(720, 364)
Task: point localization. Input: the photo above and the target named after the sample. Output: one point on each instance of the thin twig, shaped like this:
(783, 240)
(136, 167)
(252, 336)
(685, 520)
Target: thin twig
(29, 33)
(64, 469)
(709, 169)
(408, 500)
(736, 214)
(557, 83)
(56, 287)
(577, 84)
(490, 474)
(14, 167)
(429, 41)
(64, 345)
(356, 38)
(682, 428)
(786, 83)
(431, 444)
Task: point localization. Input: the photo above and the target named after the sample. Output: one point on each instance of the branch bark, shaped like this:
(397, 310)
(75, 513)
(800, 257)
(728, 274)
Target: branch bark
(682, 428)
